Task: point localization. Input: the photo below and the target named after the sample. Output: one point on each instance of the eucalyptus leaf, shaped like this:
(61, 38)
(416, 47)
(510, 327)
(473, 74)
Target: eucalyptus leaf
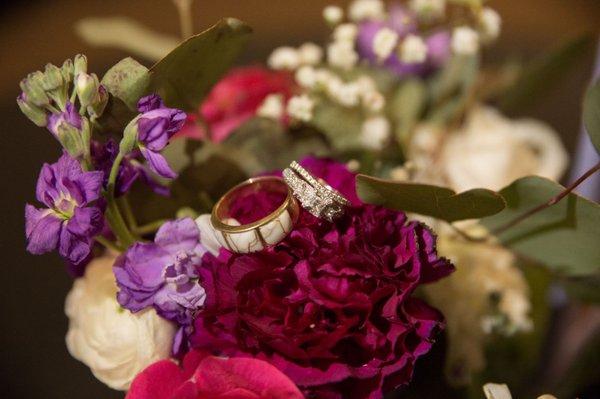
(406, 107)
(564, 237)
(538, 77)
(187, 73)
(591, 113)
(127, 80)
(455, 78)
(342, 126)
(439, 202)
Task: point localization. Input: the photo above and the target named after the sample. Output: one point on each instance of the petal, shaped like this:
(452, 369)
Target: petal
(149, 103)
(158, 381)
(90, 184)
(158, 164)
(153, 132)
(178, 234)
(42, 228)
(74, 248)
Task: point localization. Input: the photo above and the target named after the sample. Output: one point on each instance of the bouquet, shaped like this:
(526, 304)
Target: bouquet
(310, 228)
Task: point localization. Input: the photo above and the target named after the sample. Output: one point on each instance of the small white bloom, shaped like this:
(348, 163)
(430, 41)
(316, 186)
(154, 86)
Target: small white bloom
(348, 95)
(384, 43)
(306, 77)
(301, 107)
(428, 9)
(341, 54)
(465, 41)
(366, 83)
(353, 165)
(366, 9)
(413, 50)
(333, 15)
(491, 23)
(373, 101)
(284, 58)
(375, 133)
(345, 32)
(310, 54)
(333, 86)
(114, 343)
(271, 107)
(322, 78)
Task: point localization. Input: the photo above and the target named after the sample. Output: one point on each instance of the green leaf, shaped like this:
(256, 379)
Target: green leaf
(456, 77)
(591, 113)
(342, 126)
(187, 73)
(564, 237)
(439, 202)
(406, 108)
(541, 74)
(128, 80)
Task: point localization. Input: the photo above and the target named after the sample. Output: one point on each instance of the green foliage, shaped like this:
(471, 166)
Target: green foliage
(591, 113)
(406, 108)
(439, 202)
(342, 126)
(187, 73)
(538, 77)
(128, 81)
(564, 237)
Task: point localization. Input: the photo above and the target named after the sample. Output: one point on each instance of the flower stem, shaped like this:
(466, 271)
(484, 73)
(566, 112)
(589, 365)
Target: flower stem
(150, 227)
(108, 244)
(129, 216)
(113, 214)
(553, 201)
(184, 9)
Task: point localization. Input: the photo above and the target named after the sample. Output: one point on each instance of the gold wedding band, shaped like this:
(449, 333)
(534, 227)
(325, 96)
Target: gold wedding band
(258, 235)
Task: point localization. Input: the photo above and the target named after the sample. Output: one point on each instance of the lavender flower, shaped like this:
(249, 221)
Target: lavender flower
(156, 125)
(73, 215)
(163, 275)
(403, 22)
(130, 170)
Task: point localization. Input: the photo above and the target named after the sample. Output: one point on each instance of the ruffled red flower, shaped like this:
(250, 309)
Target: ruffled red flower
(202, 377)
(331, 305)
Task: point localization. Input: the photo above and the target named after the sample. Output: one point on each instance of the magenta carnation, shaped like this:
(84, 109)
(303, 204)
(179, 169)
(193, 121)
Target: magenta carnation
(331, 305)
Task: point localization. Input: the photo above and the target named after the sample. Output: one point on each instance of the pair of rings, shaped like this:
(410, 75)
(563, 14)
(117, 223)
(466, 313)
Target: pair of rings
(298, 186)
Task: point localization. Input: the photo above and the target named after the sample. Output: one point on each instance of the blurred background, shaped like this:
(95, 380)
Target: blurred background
(35, 362)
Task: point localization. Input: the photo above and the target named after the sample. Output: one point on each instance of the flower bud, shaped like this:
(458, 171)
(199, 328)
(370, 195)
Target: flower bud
(80, 64)
(35, 114)
(86, 86)
(96, 109)
(32, 87)
(130, 136)
(53, 78)
(67, 70)
(70, 138)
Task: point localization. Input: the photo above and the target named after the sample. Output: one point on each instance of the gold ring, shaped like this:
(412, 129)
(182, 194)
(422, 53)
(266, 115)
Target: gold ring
(255, 236)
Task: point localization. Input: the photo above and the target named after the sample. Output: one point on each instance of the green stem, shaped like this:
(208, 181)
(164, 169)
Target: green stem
(113, 214)
(108, 244)
(150, 227)
(129, 216)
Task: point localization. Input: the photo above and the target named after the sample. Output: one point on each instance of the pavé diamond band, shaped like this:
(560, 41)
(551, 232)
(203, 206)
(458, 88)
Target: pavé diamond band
(262, 233)
(315, 195)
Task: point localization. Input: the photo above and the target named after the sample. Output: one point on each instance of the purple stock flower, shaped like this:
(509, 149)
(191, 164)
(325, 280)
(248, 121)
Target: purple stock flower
(103, 156)
(404, 23)
(156, 125)
(163, 275)
(69, 116)
(73, 215)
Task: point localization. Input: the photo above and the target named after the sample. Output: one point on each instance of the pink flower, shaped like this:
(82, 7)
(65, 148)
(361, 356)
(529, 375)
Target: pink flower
(235, 99)
(209, 377)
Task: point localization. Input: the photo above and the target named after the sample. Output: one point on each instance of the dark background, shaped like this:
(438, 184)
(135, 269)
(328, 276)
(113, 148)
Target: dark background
(35, 362)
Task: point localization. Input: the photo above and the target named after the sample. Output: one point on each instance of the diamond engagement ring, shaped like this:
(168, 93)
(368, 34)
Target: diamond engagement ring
(315, 195)
(259, 234)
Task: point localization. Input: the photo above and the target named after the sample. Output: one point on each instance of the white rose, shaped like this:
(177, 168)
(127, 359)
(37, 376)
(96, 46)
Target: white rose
(114, 343)
(491, 151)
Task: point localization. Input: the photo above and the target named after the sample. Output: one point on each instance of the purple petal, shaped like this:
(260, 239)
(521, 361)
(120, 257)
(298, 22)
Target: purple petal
(153, 132)
(158, 164)
(42, 229)
(90, 184)
(149, 103)
(179, 234)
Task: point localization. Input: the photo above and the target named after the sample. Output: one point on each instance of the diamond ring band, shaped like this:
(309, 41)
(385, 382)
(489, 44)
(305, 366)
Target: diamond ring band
(315, 195)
